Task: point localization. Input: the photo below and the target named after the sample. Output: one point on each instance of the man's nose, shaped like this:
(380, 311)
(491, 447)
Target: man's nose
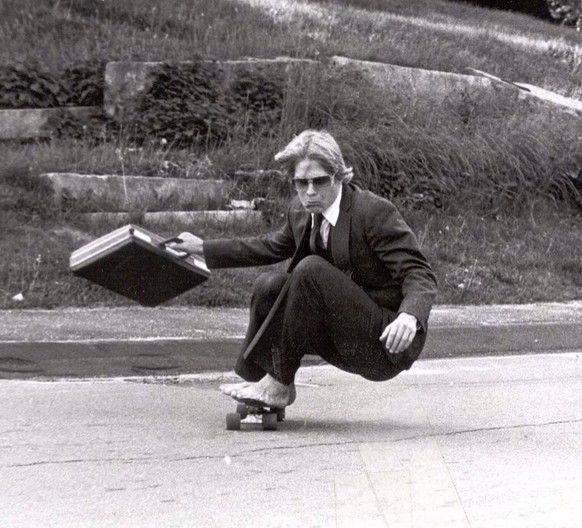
(310, 188)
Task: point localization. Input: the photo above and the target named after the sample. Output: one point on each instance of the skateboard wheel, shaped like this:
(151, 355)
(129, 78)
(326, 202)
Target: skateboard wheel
(243, 410)
(233, 422)
(270, 422)
(280, 415)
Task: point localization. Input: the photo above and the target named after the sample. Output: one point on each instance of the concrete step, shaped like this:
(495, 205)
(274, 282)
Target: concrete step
(174, 221)
(416, 83)
(130, 193)
(34, 123)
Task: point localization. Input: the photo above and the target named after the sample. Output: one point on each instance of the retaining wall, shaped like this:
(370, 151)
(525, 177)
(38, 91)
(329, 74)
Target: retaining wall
(35, 122)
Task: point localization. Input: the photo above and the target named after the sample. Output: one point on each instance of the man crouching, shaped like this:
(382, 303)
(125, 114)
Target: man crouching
(358, 291)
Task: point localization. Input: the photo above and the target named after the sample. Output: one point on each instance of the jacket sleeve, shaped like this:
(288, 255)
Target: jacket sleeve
(396, 246)
(251, 251)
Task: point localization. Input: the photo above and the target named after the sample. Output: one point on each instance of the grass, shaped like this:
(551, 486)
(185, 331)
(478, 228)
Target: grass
(447, 36)
(534, 257)
(487, 184)
(478, 260)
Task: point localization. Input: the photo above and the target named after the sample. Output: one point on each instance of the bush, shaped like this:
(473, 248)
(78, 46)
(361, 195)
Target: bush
(31, 86)
(193, 104)
(537, 8)
(27, 86)
(567, 12)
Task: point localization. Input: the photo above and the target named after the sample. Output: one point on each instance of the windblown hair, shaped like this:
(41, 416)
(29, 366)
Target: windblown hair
(317, 145)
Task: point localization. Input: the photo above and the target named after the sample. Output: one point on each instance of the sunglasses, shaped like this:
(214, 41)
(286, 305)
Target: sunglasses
(319, 182)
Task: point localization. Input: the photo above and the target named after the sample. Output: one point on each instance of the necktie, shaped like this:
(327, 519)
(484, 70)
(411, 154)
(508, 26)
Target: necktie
(317, 217)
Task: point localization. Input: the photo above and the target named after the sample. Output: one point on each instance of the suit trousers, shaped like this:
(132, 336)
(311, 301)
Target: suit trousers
(323, 313)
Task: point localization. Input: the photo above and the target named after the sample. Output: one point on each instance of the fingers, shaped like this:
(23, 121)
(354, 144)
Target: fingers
(187, 243)
(397, 337)
(179, 247)
(180, 240)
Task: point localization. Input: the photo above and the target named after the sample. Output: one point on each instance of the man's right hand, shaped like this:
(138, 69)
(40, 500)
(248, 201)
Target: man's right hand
(399, 334)
(190, 245)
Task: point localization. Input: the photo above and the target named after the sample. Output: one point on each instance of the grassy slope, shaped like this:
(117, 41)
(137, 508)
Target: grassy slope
(447, 36)
(517, 250)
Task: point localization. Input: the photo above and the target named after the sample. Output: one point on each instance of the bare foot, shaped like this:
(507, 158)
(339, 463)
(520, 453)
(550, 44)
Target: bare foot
(269, 391)
(231, 389)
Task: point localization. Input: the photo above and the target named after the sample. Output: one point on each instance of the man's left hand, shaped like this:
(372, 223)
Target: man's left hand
(398, 335)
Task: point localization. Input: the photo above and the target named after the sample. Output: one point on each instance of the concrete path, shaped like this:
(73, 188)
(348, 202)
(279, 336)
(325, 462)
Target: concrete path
(485, 442)
(171, 341)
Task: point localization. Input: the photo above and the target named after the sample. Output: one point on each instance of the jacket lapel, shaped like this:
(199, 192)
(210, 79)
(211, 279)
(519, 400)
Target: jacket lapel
(340, 234)
(303, 246)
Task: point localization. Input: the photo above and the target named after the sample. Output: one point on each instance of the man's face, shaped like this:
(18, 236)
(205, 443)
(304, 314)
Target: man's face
(316, 188)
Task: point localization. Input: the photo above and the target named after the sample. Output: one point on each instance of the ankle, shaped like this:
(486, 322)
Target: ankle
(271, 381)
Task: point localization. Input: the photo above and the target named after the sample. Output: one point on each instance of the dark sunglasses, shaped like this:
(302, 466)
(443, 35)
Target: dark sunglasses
(320, 182)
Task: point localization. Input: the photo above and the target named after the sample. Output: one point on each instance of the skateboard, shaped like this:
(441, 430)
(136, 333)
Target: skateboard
(252, 412)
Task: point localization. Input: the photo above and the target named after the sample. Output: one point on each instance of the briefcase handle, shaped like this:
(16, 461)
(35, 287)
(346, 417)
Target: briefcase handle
(177, 239)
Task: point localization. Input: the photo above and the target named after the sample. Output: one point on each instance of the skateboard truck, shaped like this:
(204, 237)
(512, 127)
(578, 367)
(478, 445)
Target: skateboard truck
(269, 416)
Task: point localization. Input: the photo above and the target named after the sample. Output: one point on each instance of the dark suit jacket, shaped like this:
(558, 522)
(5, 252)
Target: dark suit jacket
(371, 243)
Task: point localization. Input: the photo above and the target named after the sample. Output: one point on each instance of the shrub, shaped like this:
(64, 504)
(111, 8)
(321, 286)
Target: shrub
(537, 8)
(195, 104)
(85, 83)
(27, 86)
(567, 12)
(31, 86)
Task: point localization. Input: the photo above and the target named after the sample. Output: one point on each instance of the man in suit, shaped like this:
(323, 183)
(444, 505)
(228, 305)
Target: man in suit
(358, 291)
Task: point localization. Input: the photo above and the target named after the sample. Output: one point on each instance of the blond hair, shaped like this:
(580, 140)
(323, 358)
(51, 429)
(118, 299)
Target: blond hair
(317, 145)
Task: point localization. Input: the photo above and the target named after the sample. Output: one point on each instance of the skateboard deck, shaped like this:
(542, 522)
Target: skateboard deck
(254, 412)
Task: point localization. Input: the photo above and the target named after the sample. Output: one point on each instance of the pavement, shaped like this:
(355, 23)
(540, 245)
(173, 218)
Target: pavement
(481, 442)
(484, 431)
(170, 341)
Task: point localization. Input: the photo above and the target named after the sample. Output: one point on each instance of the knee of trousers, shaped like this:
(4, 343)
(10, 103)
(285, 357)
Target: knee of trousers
(269, 284)
(312, 267)
(309, 274)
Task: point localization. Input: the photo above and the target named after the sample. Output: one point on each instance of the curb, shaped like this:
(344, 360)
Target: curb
(167, 357)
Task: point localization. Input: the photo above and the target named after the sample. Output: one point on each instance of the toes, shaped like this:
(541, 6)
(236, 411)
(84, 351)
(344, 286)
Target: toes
(244, 393)
(232, 388)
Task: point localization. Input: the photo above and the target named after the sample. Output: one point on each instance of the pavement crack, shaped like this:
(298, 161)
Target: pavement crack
(287, 447)
(506, 427)
(76, 461)
(403, 439)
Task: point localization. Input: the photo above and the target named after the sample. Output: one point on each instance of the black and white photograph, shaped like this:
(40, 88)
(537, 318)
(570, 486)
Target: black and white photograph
(291, 263)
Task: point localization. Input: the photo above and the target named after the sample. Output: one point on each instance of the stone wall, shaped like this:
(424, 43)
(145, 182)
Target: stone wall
(127, 82)
(34, 123)
(415, 83)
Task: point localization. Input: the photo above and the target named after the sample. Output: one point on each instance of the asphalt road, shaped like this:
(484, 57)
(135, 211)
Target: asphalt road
(171, 341)
(482, 442)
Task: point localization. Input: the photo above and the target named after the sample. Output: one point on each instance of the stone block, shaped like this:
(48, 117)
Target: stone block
(177, 221)
(130, 193)
(415, 83)
(35, 122)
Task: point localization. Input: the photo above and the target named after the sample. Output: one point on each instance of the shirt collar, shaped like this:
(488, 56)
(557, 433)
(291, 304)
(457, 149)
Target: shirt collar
(331, 214)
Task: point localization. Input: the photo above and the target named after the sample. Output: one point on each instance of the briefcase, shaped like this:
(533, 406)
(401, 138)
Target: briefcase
(137, 264)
